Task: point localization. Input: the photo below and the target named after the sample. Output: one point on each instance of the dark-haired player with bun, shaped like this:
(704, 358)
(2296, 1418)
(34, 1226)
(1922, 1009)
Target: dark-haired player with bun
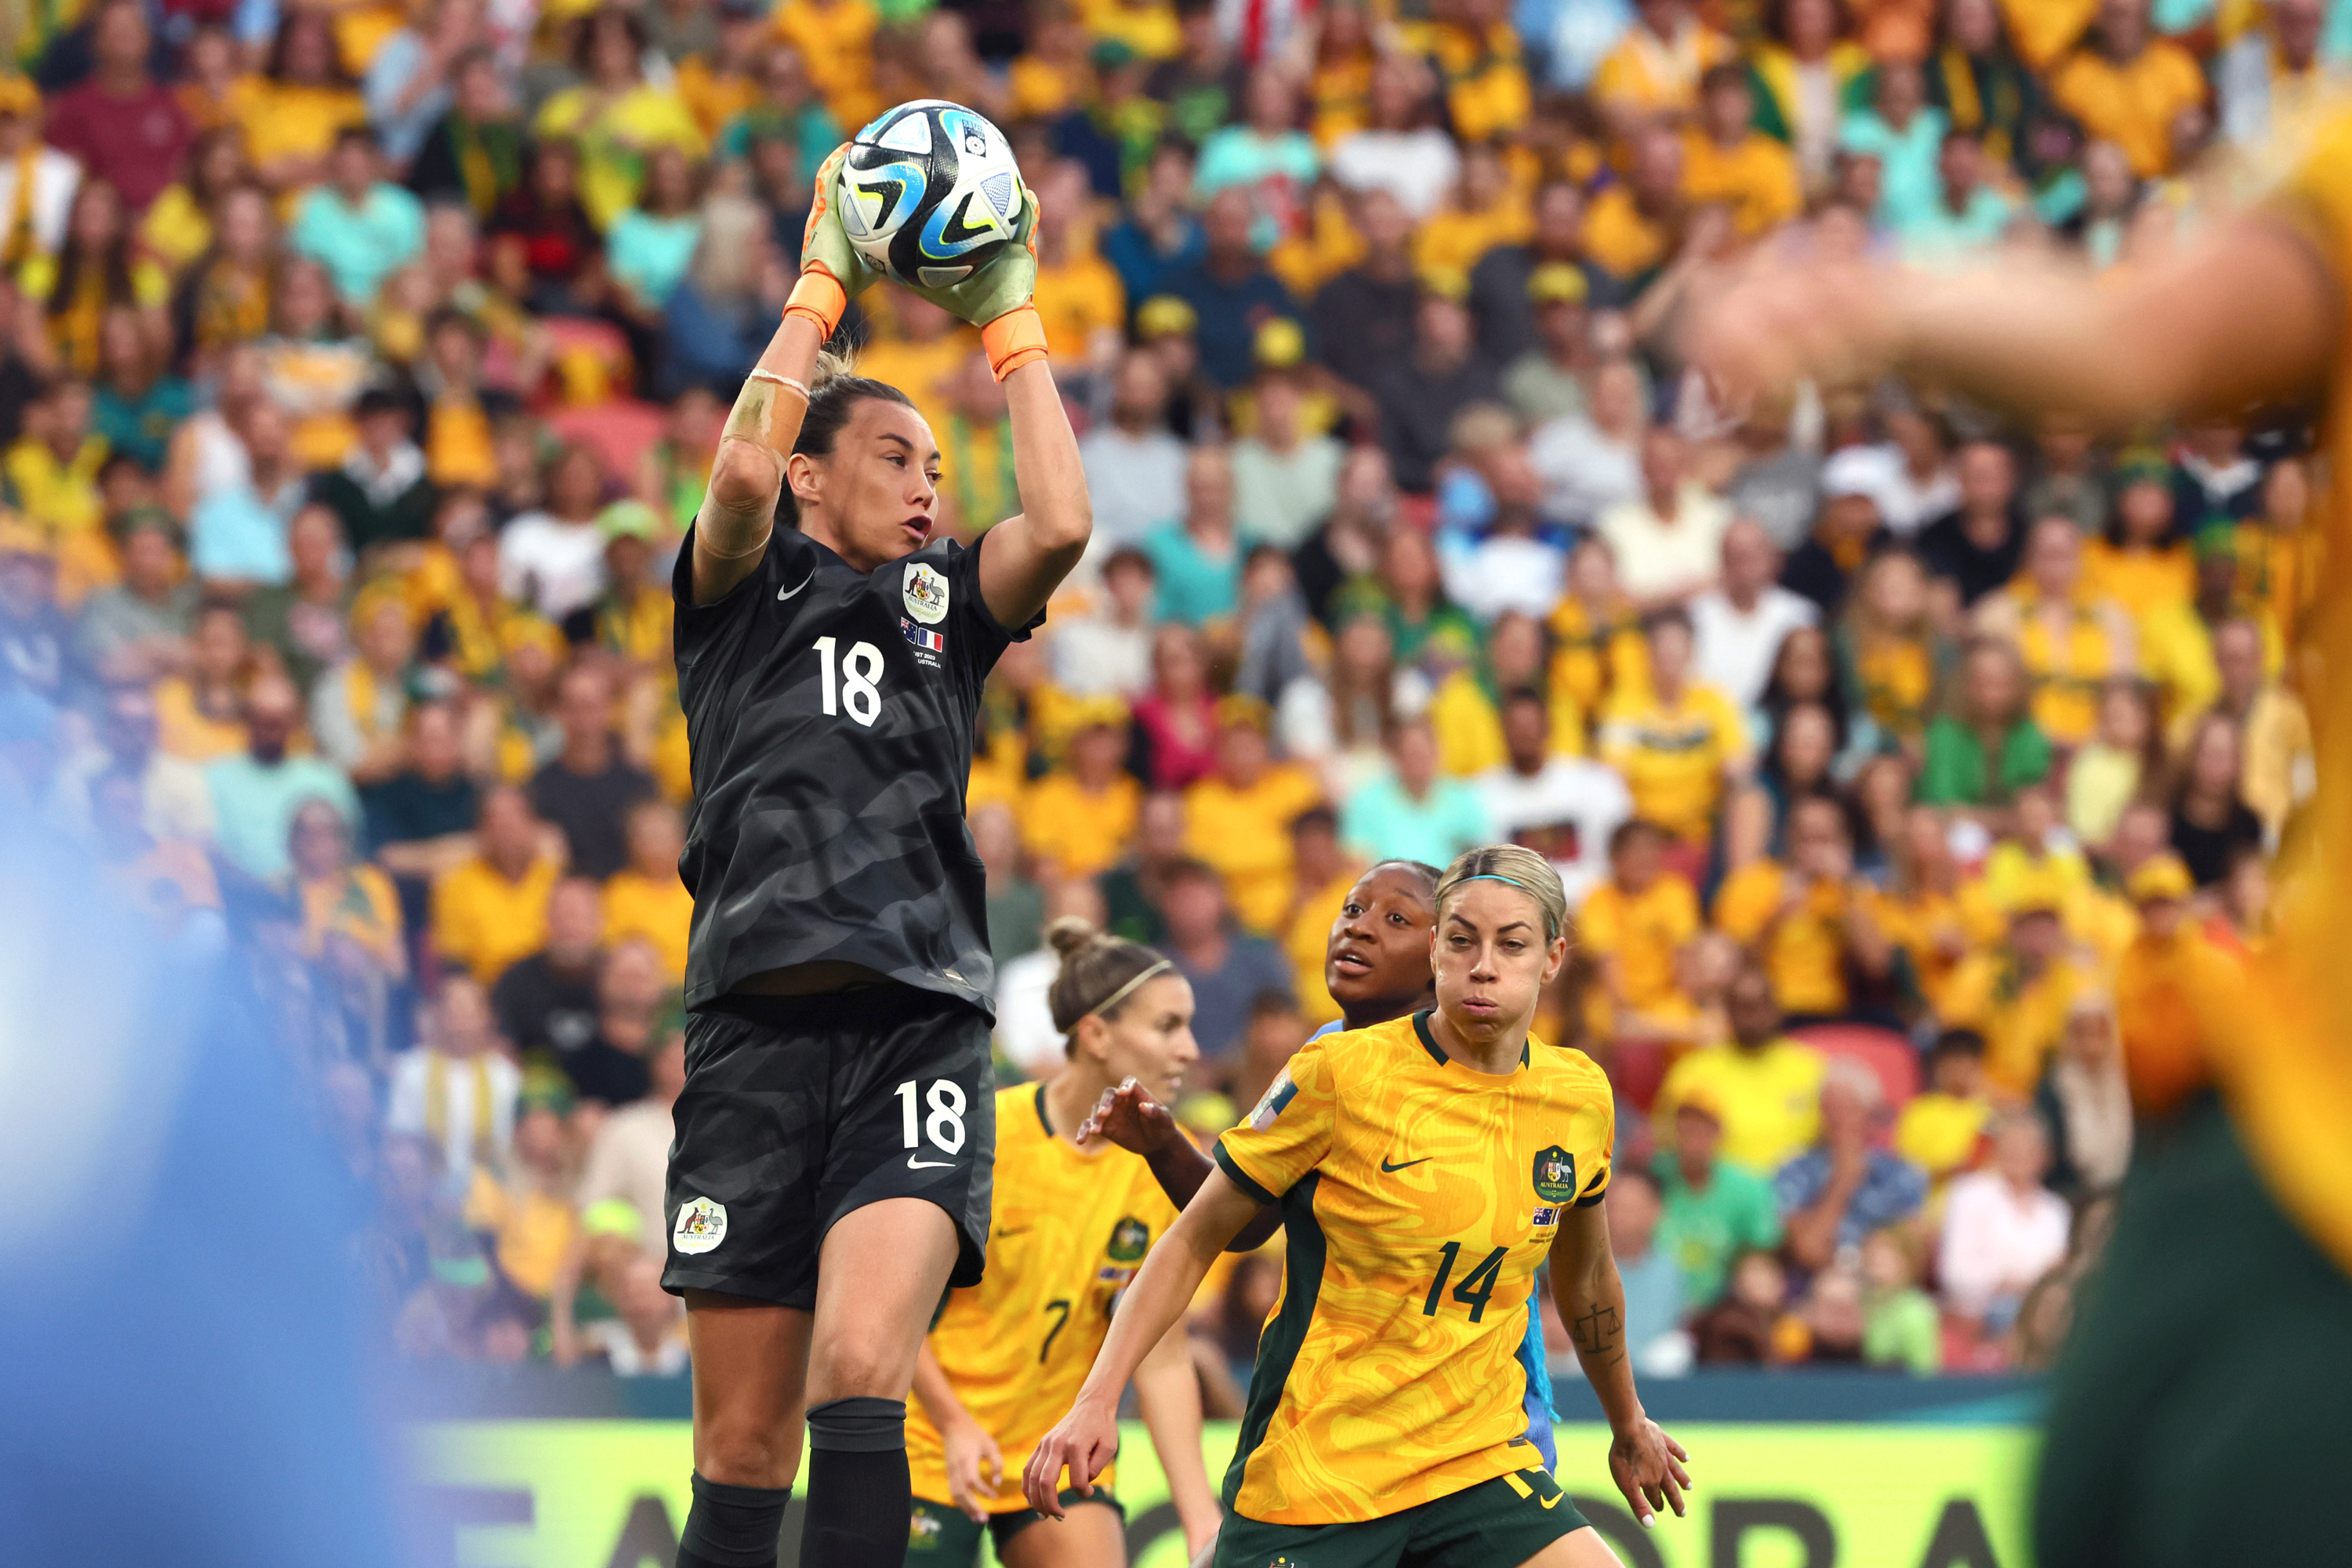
(829, 1178)
(1071, 1227)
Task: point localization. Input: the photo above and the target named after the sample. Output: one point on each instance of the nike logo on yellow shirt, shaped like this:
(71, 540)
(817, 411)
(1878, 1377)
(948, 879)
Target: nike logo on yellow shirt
(1393, 1170)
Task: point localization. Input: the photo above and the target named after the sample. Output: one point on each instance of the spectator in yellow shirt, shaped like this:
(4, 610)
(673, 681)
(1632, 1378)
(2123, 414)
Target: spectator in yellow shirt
(617, 116)
(1920, 909)
(2140, 564)
(1081, 300)
(1728, 163)
(2017, 996)
(1478, 57)
(1636, 924)
(2129, 87)
(1766, 1087)
(1631, 228)
(1078, 820)
(916, 347)
(1484, 211)
(1237, 820)
(200, 711)
(1809, 921)
(290, 117)
(526, 1208)
(1599, 653)
(53, 467)
(1680, 744)
(835, 38)
(2072, 641)
(491, 909)
(2042, 30)
(2164, 981)
(1658, 65)
(1941, 1131)
(646, 899)
(350, 916)
(2274, 727)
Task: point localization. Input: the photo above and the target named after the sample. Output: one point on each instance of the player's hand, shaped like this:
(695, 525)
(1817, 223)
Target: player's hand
(1131, 1119)
(1006, 282)
(824, 244)
(1647, 1466)
(1762, 330)
(975, 1469)
(1082, 1442)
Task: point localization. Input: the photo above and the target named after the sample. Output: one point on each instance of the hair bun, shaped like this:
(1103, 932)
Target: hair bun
(1071, 935)
(832, 365)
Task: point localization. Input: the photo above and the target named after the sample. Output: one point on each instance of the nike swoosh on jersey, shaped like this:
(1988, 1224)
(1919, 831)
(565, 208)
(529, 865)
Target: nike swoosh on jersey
(1552, 1502)
(1393, 1170)
(783, 593)
(915, 1164)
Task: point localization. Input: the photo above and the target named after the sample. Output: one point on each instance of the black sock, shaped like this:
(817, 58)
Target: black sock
(858, 1505)
(732, 1527)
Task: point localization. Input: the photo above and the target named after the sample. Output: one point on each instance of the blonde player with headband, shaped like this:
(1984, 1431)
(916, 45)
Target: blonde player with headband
(1070, 1229)
(1425, 1169)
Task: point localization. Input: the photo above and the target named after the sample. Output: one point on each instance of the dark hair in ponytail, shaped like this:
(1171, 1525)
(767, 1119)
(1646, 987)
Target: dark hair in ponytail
(1095, 967)
(834, 392)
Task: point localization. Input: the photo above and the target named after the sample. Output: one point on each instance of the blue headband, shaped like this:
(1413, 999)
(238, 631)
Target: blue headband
(1498, 876)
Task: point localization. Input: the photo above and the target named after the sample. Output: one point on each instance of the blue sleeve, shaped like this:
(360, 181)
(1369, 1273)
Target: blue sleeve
(1797, 1184)
(1911, 1186)
(1539, 1388)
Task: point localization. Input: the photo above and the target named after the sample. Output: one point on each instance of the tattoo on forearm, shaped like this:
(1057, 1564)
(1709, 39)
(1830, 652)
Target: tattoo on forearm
(1599, 1333)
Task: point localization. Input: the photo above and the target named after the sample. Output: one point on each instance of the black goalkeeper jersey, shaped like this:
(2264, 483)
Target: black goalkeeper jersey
(829, 718)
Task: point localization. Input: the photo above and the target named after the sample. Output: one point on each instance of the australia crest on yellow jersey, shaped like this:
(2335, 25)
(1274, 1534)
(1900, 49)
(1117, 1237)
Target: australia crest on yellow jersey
(1130, 1238)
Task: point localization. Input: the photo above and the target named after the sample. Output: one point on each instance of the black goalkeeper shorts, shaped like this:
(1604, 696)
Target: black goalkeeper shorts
(797, 1110)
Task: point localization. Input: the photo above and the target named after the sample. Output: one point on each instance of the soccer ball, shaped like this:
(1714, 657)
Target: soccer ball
(928, 192)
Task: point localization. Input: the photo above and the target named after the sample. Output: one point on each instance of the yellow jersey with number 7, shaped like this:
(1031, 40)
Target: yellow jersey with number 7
(1068, 1230)
(1419, 1197)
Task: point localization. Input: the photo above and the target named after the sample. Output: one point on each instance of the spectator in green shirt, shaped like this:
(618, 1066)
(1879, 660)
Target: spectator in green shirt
(1989, 748)
(1714, 1210)
(1900, 1325)
(1412, 811)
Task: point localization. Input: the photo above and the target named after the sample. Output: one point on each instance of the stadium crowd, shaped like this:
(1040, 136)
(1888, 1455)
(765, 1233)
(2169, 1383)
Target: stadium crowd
(362, 362)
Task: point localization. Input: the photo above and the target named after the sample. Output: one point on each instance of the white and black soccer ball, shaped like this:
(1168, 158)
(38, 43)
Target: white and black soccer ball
(928, 192)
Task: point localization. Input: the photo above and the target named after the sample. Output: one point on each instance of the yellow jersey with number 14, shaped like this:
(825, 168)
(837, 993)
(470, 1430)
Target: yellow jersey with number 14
(1067, 1232)
(1419, 1197)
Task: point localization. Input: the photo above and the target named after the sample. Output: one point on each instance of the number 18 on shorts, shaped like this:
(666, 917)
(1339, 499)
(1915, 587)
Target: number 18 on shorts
(798, 1111)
